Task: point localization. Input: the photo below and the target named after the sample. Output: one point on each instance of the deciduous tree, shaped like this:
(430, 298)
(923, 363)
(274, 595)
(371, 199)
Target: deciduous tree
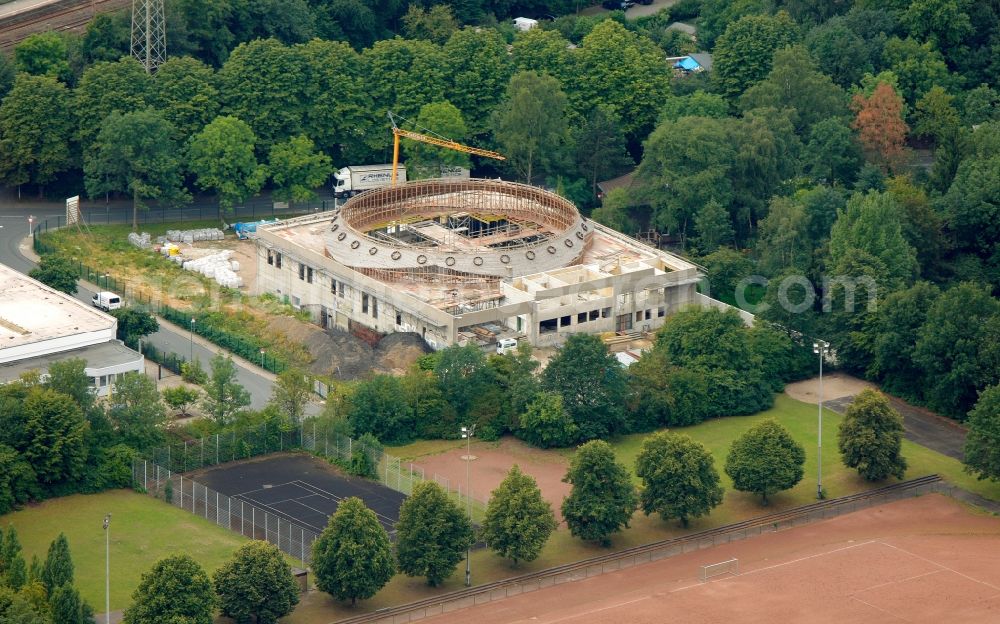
(68, 607)
(433, 533)
(592, 385)
(106, 87)
(352, 558)
(36, 127)
(184, 91)
(880, 126)
(57, 271)
(602, 499)
(379, 407)
(744, 52)
(134, 153)
(434, 24)
(478, 70)
(54, 436)
(176, 589)
(765, 459)
(291, 393)
(136, 412)
(530, 125)
(297, 168)
(518, 520)
(832, 154)
(224, 396)
(546, 423)
(679, 477)
(134, 324)
(43, 54)
(870, 437)
(427, 161)
(256, 584)
(223, 159)
(982, 444)
(180, 398)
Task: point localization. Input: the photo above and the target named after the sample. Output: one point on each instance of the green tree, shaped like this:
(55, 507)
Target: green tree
(56, 271)
(107, 87)
(184, 91)
(36, 128)
(352, 558)
(795, 82)
(260, 83)
(291, 393)
(256, 584)
(136, 412)
(478, 70)
(979, 105)
(765, 459)
(602, 499)
(832, 154)
(872, 223)
(432, 534)
(297, 168)
(7, 72)
(614, 211)
(945, 23)
(58, 567)
(134, 324)
(935, 116)
(600, 147)
(725, 268)
(224, 396)
(222, 157)
(956, 348)
(715, 227)
(744, 52)
(54, 436)
(134, 153)
(839, 51)
(870, 437)
(543, 52)
(783, 238)
(16, 570)
(918, 66)
(546, 424)
(442, 119)
(697, 104)
(518, 520)
(379, 407)
(982, 444)
(180, 398)
(435, 24)
(68, 607)
(678, 476)
(463, 375)
(43, 54)
(894, 335)
(633, 96)
(176, 589)
(592, 385)
(413, 73)
(530, 125)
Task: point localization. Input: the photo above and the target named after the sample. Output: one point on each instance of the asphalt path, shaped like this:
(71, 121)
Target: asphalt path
(14, 230)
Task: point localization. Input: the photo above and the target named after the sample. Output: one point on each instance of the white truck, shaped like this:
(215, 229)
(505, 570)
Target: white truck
(106, 301)
(355, 179)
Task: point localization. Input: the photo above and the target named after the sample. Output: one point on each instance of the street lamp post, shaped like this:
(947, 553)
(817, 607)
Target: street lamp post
(467, 433)
(262, 352)
(820, 348)
(107, 569)
(192, 340)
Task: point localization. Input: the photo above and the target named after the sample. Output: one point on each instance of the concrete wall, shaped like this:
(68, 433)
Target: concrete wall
(57, 345)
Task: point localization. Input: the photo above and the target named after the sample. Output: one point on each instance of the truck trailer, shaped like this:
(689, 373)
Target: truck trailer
(355, 179)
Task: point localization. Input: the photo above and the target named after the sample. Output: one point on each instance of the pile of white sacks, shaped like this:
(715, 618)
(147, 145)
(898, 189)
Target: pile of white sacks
(192, 236)
(142, 241)
(217, 266)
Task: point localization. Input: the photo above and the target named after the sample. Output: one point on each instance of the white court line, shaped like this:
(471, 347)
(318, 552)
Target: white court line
(943, 567)
(880, 609)
(586, 613)
(273, 487)
(906, 580)
(339, 499)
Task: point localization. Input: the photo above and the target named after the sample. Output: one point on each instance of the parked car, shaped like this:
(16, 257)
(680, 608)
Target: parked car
(615, 5)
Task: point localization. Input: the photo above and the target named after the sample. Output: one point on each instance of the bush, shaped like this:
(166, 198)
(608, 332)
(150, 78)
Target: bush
(547, 424)
(192, 372)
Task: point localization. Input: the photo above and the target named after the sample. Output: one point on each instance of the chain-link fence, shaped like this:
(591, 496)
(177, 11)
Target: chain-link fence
(231, 513)
(171, 462)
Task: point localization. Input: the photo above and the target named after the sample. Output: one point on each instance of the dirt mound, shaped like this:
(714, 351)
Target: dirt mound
(344, 356)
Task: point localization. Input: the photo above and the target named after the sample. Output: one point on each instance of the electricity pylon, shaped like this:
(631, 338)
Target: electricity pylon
(149, 33)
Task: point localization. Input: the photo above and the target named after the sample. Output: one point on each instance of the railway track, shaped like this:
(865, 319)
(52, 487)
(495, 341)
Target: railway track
(60, 15)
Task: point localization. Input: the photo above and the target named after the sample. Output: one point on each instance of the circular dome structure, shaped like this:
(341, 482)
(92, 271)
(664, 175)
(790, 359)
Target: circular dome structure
(471, 229)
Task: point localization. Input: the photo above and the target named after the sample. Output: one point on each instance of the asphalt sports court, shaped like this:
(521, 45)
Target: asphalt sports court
(299, 488)
(926, 560)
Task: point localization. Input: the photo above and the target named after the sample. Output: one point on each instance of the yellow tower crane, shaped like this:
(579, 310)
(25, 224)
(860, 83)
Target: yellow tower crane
(431, 140)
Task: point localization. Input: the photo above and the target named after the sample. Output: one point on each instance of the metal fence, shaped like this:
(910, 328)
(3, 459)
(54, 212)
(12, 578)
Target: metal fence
(170, 462)
(230, 513)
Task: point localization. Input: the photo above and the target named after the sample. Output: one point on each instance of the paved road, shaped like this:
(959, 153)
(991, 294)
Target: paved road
(13, 252)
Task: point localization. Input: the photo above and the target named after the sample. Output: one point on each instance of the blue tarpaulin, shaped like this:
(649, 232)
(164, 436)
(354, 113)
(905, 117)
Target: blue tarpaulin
(687, 64)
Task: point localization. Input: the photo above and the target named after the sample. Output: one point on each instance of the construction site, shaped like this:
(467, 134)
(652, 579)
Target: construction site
(470, 261)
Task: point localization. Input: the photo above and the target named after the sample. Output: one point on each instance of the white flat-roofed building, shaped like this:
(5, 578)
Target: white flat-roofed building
(40, 325)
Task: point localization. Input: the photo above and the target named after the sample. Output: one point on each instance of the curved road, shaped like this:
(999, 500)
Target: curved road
(13, 233)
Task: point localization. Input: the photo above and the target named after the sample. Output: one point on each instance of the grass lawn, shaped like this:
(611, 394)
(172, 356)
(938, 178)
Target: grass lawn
(143, 531)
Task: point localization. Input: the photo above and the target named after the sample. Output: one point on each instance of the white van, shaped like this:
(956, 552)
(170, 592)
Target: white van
(106, 301)
(506, 345)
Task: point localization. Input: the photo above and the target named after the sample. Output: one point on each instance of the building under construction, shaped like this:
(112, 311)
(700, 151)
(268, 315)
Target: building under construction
(469, 261)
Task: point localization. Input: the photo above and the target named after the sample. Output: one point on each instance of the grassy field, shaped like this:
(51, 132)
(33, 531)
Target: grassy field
(143, 530)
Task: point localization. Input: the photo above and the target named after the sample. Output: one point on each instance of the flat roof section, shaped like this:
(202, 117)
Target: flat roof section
(99, 356)
(32, 312)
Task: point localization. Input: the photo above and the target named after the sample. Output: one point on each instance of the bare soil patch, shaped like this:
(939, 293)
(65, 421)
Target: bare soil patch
(835, 386)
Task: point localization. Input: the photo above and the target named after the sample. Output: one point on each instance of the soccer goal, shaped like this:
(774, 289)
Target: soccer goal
(732, 566)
